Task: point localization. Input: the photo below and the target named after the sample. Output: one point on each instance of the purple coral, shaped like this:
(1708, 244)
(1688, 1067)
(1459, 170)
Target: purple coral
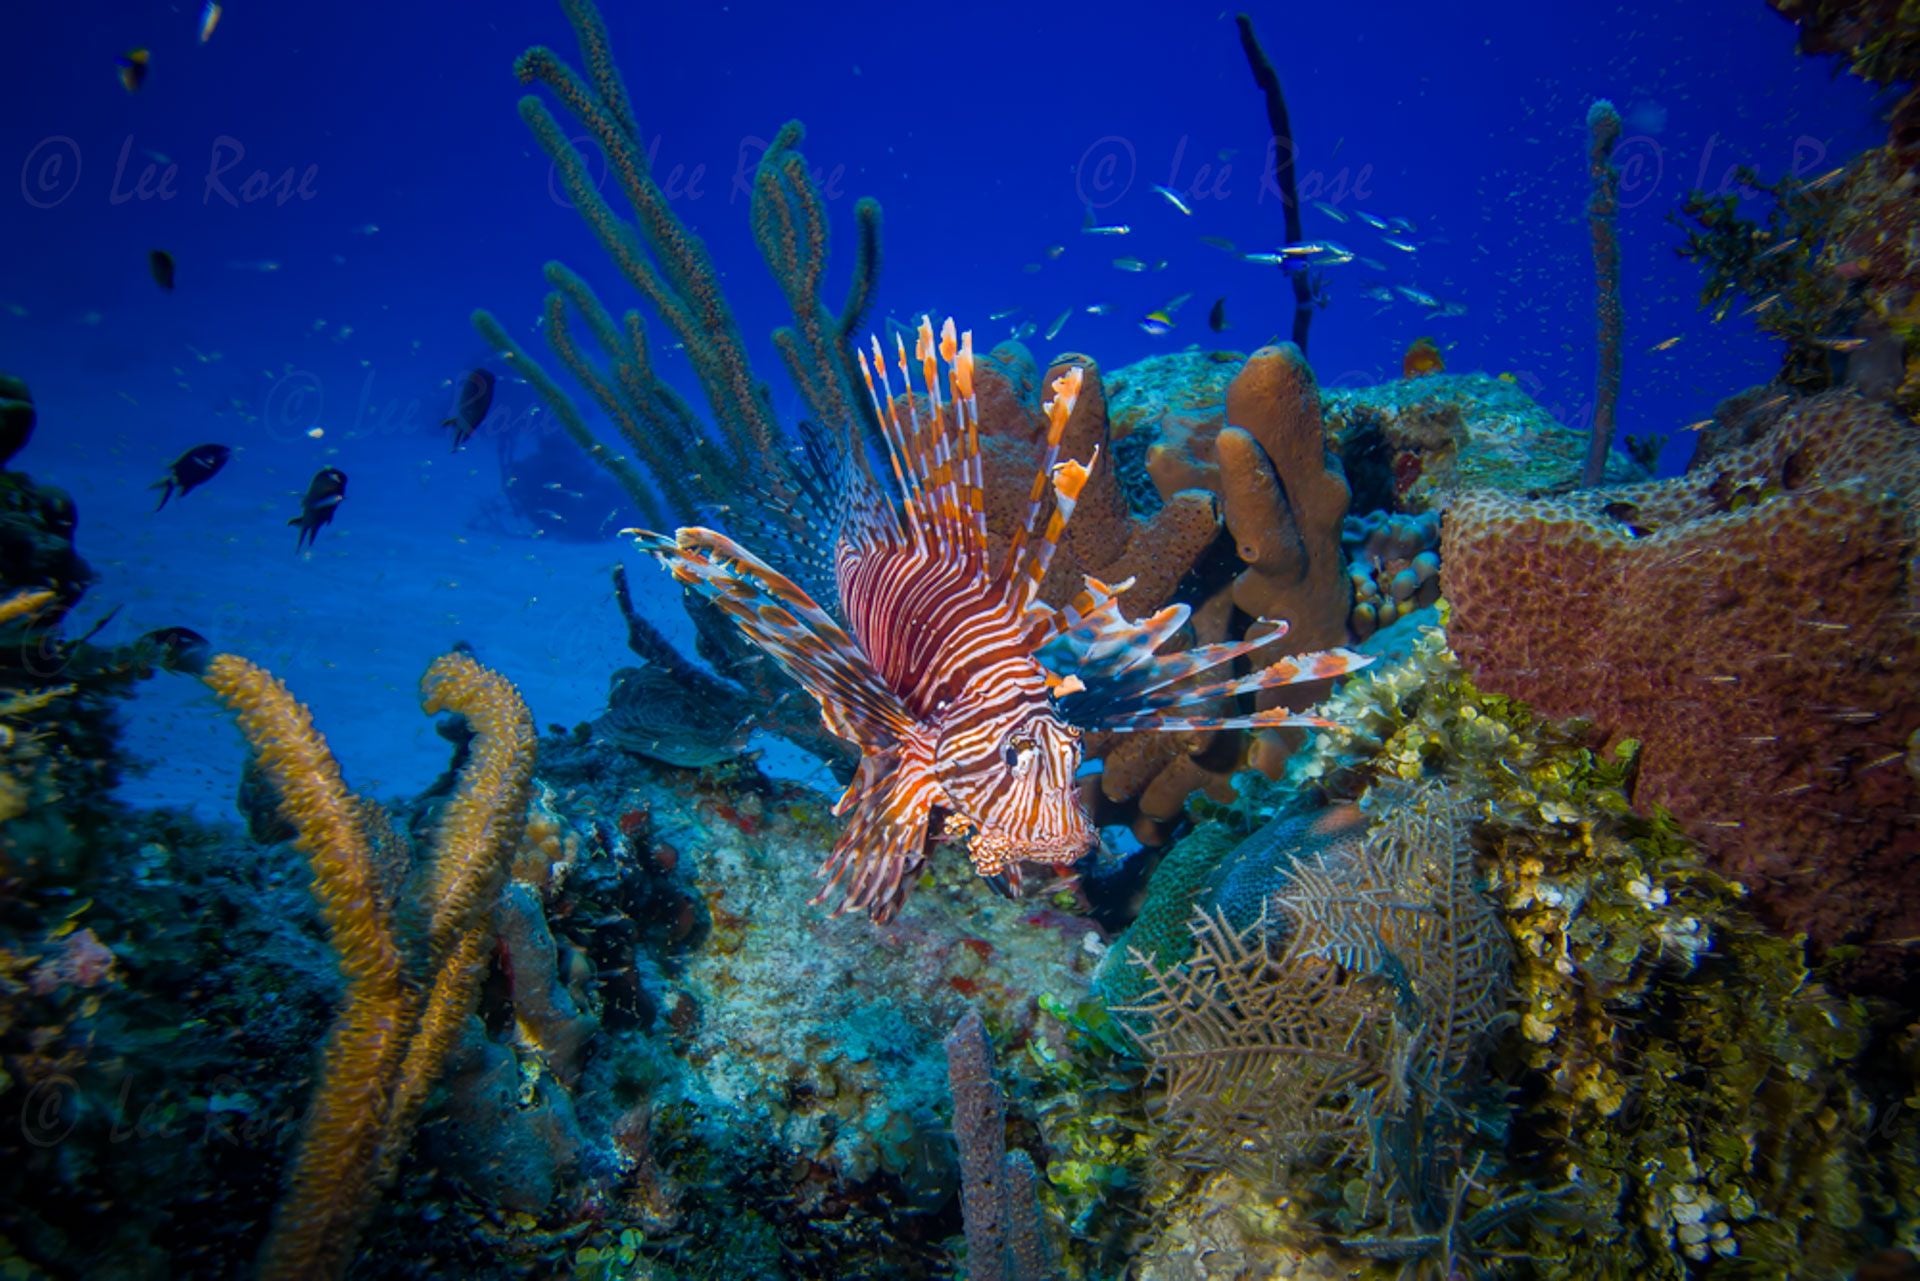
(998, 1196)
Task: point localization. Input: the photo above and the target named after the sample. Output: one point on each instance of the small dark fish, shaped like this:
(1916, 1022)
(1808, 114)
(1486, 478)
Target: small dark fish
(324, 496)
(133, 69)
(1217, 317)
(177, 649)
(476, 398)
(191, 470)
(160, 263)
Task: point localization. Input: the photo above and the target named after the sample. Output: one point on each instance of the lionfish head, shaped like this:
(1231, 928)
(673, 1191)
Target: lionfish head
(1008, 772)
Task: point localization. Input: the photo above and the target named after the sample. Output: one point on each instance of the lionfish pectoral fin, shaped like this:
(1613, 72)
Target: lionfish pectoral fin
(877, 856)
(1162, 723)
(1094, 646)
(775, 614)
(1128, 686)
(1158, 706)
(1297, 669)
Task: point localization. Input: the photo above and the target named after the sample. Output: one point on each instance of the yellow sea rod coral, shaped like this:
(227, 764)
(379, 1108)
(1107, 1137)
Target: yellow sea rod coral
(473, 849)
(390, 1037)
(468, 870)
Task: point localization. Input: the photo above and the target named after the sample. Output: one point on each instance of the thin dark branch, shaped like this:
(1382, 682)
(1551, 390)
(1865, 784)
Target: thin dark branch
(1283, 153)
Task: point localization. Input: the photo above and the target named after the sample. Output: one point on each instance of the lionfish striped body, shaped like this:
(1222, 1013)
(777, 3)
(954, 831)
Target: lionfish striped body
(965, 693)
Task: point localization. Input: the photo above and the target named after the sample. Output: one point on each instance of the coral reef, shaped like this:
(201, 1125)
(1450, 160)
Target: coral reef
(1143, 395)
(1776, 733)
(1285, 497)
(1275, 469)
(1612, 1155)
(395, 1028)
(679, 713)
(794, 1062)
(1454, 989)
(1337, 1035)
(1636, 964)
(1833, 268)
(1408, 445)
(675, 1065)
(691, 724)
(59, 693)
(1873, 242)
(1110, 538)
(130, 1019)
(1394, 562)
(1879, 38)
(1781, 271)
(1263, 455)
(681, 469)
(37, 547)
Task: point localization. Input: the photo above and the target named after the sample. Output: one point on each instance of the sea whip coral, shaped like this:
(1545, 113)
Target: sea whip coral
(1603, 205)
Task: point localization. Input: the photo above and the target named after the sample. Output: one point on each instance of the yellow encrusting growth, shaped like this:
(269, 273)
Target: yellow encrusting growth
(23, 603)
(390, 1037)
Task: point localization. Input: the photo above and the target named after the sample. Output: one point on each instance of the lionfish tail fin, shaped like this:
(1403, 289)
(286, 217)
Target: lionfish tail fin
(775, 614)
(874, 862)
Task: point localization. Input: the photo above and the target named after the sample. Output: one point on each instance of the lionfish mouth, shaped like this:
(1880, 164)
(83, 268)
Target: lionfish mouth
(994, 851)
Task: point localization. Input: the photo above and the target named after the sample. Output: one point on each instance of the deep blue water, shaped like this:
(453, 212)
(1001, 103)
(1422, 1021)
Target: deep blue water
(373, 155)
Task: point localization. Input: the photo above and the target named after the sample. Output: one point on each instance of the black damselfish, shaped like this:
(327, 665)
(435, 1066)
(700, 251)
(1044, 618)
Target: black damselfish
(324, 496)
(191, 470)
(476, 398)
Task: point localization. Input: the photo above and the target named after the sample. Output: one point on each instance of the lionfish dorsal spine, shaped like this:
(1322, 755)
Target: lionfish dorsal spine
(1068, 479)
(1023, 555)
(886, 408)
(959, 358)
(936, 461)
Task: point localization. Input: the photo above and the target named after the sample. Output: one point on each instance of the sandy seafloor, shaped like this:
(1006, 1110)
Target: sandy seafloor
(407, 570)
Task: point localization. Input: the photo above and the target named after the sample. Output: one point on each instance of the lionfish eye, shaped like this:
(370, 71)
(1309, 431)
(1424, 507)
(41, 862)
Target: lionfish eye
(1016, 750)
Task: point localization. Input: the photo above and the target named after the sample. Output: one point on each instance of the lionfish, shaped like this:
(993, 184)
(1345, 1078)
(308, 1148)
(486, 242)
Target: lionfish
(966, 694)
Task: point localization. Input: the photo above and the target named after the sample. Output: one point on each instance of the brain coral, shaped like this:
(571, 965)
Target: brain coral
(1754, 625)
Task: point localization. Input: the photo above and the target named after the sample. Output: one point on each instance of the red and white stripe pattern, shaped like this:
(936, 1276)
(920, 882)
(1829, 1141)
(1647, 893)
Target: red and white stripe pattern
(966, 695)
